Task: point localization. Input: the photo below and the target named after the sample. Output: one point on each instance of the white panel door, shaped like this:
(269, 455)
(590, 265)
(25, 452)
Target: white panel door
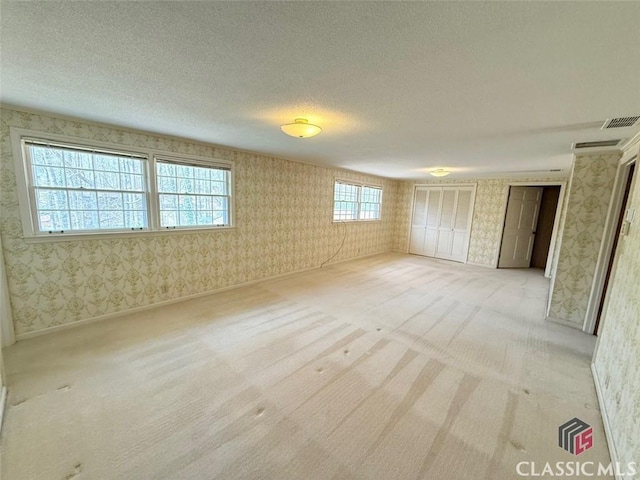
(520, 227)
(461, 225)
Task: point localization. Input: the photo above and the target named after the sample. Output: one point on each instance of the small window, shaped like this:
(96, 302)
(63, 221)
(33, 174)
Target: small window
(191, 195)
(355, 202)
(73, 189)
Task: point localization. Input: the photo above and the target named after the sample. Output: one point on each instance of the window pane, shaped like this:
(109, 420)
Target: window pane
(186, 185)
(169, 218)
(56, 220)
(192, 195)
(219, 188)
(167, 184)
(49, 176)
(109, 201)
(371, 195)
(205, 218)
(51, 199)
(346, 192)
(82, 190)
(345, 211)
(112, 219)
(80, 160)
(84, 220)
(135, 219)
(166, 169)
(80, 200)
(168, 202)
(106, 163)
(79, 178)
(46, 156)
(107, 180)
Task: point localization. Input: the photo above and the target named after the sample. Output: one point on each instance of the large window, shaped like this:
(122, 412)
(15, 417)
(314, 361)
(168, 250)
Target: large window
(67, 188)
(353, 201)
(81, 190)
(192, 195)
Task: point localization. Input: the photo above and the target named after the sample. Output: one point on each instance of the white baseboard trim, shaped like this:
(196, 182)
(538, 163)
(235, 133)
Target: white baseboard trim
(566, 323)
(107, 316)
(3, 402)
(605, 419)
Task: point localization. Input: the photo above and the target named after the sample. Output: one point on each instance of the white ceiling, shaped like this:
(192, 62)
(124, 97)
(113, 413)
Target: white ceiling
(398, 88)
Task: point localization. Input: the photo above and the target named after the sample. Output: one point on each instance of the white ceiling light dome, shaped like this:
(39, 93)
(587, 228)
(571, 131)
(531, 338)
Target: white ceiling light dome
(440, 172)
(301, 128)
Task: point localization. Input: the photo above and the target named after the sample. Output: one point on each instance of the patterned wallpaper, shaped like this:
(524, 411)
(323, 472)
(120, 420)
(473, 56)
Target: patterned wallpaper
(283, 224)
(589, 196)
(404, 205)
(488, 215)
(617, 358)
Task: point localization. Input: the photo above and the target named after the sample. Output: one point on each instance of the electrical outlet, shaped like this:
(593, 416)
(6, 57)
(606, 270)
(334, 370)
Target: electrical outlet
(630, 215)
(624, 230)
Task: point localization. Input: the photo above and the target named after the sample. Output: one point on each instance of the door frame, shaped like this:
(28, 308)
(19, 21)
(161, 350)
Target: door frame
(629, 157)
(474, 189)
(549, 270)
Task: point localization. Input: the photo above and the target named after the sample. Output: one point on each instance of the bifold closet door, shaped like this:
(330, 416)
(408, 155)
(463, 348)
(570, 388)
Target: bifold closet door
(441, 222)
(424, 224)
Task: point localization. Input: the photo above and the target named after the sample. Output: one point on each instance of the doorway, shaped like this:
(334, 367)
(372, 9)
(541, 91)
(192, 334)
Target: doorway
(528, 232)
(614, 246)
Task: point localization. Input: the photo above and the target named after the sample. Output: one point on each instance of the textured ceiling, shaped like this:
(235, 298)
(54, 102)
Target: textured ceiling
(398, 88)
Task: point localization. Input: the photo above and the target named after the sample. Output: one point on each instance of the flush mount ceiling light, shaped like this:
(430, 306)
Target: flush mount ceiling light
(440, 172)
(301, 128)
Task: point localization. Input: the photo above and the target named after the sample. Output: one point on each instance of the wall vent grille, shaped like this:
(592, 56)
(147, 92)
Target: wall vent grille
(598, 144)
(621, 122)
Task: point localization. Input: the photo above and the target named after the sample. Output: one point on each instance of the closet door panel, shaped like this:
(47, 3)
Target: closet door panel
(461, 225)
(445, 225)
(416, 245)
(433, 210)
(420, 208)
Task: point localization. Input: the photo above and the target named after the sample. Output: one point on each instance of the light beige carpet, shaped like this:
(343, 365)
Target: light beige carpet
(388, 367)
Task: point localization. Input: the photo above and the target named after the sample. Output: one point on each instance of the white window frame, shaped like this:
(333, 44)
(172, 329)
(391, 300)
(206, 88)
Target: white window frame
(193, 162)
(30, 226)
(359, 201)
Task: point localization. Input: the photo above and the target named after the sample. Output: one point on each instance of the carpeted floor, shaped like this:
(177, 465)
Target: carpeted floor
(387, 367)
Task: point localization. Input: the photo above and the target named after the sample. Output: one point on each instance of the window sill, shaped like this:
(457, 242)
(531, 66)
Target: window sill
(119, 235)
(357, 221)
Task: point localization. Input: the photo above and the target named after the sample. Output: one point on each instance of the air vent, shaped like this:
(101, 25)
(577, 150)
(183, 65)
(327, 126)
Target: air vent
(621, 122)
(600, 144)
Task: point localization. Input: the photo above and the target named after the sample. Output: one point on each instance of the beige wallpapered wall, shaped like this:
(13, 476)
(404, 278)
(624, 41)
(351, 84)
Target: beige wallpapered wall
(588, 203)
(488, 215)
(283, 224)
(617, 358)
